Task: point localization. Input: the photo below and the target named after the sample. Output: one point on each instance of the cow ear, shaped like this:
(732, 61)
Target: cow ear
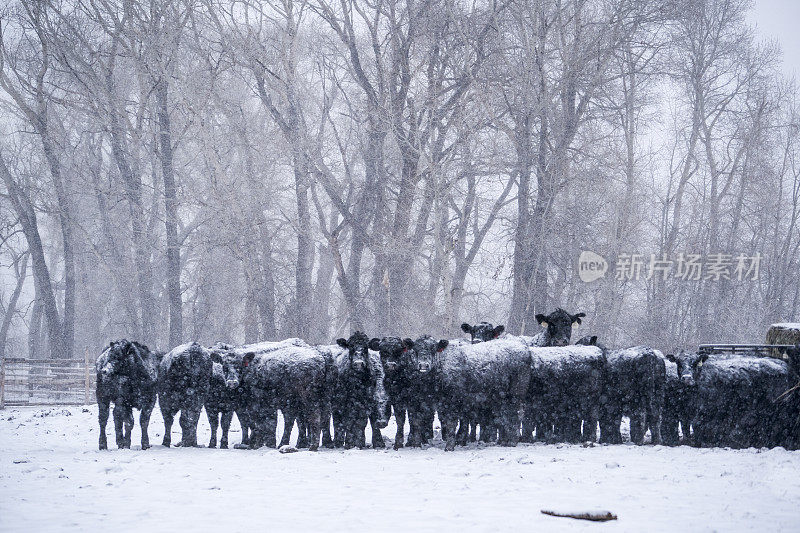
(498, 330)
(375, 344)
(342, 342)
(408, 343)
(216, 357)
(542, 320)
(441, 345)
(577, 318)
(466, 328)
(248, 358)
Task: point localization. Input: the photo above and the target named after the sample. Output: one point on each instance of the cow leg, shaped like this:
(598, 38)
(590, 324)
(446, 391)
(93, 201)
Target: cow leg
(654, 414)
(144, 423)
(451, 423)
(313, 423)
(192, 419)
(669, 429)
(227, 417)
(288, 424)
(338, 429)
(509, 414)
(462, 435)
(686, 430)
(102, 418)
(271, 428)
(527, 424)
(361, 431)
(589, 429)
(400, 420)
(119, 415)
(572, 429)
(327, 438)
(169, 417)
(377, 436)
(213, 421)
(128, 425)
(244, 423)
(638, 418)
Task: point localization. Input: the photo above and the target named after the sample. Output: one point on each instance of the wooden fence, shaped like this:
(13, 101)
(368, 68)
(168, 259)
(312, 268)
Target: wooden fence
(46, 381)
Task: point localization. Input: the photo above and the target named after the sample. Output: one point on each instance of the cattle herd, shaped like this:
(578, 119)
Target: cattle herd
(492, 387)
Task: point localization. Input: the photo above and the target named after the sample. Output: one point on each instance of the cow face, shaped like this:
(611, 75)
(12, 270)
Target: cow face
(689, 366)
(231, 364)
(559, 326)
(423, 352)
(393, 353)
(358, 350)
(588, 340)
(482, 332)
(119, 360)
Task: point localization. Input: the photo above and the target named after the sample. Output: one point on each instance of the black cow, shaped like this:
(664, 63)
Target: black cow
(482, 332)
(634, 385)
(468, 378)
(679, 399)
(557, 328)
(396, 363)
(737, 401)
(184, 379)
(355, 391)
(226, 395)
(379, 417)
(566, 386)
(290, 376)
(127, 374)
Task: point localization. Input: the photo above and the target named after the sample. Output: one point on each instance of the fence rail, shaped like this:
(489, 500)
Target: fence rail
(46, 381)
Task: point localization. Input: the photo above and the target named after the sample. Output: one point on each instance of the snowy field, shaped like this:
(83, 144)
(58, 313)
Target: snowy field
(53, 478)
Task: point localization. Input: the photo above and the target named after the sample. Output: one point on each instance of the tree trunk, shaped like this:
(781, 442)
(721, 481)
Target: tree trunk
(171, 215)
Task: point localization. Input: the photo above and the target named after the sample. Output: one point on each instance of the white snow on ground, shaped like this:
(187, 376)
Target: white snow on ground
(53, 478)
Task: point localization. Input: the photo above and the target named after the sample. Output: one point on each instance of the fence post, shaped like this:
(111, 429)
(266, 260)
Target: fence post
(86, 377)
(3, 383)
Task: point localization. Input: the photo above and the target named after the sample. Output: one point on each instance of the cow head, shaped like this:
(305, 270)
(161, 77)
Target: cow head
(689, 366)
(423, 352)
(357, 347)
(559, 326)
(230, 362)
(482, 332)
(588, 340)
(120, 359)
(393, 353)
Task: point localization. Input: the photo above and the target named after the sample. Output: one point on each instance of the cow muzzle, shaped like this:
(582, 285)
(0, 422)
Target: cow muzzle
(232, 383)
(424, 367)
(688, 381)
(359, 365)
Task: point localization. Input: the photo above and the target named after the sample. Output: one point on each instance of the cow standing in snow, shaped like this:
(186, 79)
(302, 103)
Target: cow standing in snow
(634, 384)
(679, 399)
(482, 332)
(395, 361)
(184, 379)
(358, 382)
(566, 387)
(470, 377)
(737, 401)
(558, 327)
(127, 374)
(289, 375)
(226, 395)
